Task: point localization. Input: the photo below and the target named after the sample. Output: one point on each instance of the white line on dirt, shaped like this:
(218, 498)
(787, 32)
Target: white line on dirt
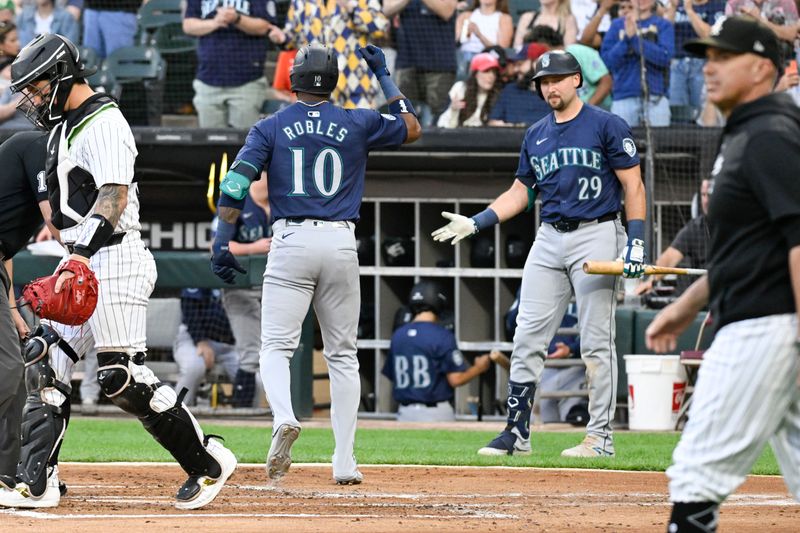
(50, 516)
(442, 467)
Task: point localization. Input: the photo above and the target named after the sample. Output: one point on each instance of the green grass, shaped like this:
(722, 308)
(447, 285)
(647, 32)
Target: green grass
(125, 440)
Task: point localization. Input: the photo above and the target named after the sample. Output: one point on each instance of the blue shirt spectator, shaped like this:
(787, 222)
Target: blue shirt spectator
(623, 45)
(229, 56)
(232, 45)
(45, 17)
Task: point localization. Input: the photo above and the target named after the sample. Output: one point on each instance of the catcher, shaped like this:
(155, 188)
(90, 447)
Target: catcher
(95, 206)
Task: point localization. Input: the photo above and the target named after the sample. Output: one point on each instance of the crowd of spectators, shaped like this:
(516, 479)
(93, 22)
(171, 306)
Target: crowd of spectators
(631, 51)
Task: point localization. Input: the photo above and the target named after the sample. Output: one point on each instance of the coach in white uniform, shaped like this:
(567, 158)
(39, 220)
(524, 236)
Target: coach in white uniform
(94, 198)
(747, 389)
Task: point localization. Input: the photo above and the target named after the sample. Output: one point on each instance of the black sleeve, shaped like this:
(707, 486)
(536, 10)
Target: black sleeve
(682, 241)
(33, 158)
(773, 178)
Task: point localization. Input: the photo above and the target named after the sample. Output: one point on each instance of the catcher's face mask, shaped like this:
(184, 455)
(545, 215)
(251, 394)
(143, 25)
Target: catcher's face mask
(39, 101)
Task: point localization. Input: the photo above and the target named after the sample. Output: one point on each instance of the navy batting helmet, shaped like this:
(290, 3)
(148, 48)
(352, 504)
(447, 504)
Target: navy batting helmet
(481, 254)
(427, 296)
(556, 63)
(398, 251)
(53, 58)
(315, 70)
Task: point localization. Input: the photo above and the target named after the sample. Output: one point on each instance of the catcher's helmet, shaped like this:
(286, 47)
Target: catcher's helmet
(427, 296)
(315, 70)
(53, 58)
(556, 63)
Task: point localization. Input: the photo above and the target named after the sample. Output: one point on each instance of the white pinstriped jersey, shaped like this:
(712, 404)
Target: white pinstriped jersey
(99, 146)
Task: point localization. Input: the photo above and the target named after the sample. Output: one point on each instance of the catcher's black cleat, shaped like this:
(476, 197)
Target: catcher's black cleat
(62, 488)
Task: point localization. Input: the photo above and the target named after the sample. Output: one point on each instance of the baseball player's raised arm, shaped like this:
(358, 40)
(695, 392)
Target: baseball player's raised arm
(398, 104)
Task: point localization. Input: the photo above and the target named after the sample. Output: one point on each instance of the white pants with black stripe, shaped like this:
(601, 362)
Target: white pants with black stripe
(126, 273)
(746, 394)
(553, 272)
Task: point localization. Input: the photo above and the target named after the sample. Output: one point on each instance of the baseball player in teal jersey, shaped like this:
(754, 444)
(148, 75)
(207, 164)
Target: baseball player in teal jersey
(315, 154)
(580, 160)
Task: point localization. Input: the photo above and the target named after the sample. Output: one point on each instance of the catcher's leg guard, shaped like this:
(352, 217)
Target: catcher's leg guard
(135, 389)
(46, 411)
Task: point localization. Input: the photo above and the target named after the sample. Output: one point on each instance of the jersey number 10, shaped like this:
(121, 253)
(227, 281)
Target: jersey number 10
(326, 170)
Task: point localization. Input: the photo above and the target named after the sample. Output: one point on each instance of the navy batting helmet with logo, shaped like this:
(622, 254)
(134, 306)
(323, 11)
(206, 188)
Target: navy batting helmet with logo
(315, 70)
(55, 59)
(556, 63)
(427, 296)
(398, 251)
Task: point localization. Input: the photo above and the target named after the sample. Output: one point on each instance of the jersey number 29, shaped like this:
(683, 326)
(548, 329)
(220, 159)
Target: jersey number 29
(326, 170)
(585, 184)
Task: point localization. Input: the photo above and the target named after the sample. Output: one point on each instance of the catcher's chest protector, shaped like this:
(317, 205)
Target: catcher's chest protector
(63, 174)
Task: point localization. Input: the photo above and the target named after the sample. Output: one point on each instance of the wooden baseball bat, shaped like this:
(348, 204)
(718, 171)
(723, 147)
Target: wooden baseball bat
(614, 268)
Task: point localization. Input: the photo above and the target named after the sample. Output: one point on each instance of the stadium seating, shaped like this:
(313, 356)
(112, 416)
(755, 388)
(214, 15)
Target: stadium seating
(141, 71)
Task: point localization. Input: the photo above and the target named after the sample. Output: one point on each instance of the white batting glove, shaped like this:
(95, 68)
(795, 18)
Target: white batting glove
(460, 227)
(633, 257)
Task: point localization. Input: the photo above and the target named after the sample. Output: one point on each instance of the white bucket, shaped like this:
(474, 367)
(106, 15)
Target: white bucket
(656, 385)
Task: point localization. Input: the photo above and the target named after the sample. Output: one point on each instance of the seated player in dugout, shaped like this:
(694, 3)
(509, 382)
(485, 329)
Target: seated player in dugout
(689, 248)
(425, 364)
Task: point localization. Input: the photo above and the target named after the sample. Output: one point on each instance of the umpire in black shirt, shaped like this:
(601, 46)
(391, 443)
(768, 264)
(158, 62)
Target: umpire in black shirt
(23, 204)
(747, 391)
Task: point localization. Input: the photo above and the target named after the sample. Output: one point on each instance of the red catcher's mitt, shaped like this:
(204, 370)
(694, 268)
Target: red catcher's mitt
(76, 301)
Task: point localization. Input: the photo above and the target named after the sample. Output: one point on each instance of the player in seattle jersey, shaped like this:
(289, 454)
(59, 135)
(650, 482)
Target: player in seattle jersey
(315, 154)
(580, 160)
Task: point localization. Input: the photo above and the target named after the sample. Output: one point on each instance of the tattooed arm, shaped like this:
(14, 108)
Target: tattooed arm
(111, 202)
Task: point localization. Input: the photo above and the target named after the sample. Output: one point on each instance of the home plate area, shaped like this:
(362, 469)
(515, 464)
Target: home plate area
(139, 497)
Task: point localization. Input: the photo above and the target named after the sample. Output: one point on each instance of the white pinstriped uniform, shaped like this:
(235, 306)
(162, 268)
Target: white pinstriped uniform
(103, 144)
(756, 362)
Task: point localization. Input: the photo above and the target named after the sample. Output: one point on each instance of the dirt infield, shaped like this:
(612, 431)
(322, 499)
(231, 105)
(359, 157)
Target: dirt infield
(123, 497)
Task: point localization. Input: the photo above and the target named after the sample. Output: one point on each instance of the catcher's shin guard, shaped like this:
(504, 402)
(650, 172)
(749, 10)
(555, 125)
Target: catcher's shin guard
(46, 411)
(43, 428)
(520, 401)
(135, 389)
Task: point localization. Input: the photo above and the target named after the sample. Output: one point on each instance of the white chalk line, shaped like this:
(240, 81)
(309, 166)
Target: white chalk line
(51, 516)
(393, 466)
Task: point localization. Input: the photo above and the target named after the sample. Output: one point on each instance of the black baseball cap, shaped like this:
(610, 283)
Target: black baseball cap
(741, 35)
